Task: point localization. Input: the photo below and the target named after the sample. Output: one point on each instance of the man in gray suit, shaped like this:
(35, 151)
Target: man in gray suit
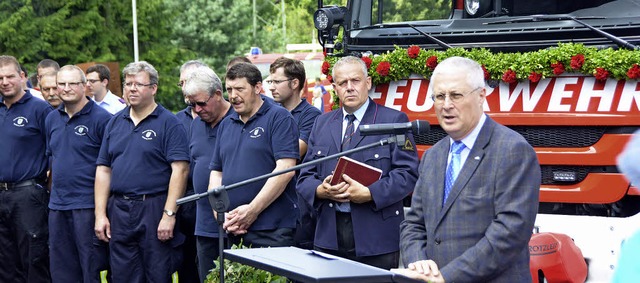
(475, 203)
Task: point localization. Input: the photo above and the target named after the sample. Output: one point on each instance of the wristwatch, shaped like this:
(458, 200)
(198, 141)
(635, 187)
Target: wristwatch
(169, 212)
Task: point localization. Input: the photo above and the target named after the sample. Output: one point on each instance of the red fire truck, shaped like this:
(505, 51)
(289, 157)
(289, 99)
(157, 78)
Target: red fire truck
(577, 120)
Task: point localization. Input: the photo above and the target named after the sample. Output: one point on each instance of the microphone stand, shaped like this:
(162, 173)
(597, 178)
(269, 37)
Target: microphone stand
(219, 198)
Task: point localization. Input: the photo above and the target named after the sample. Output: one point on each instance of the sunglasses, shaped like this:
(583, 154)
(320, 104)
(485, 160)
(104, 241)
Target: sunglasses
(199, 103)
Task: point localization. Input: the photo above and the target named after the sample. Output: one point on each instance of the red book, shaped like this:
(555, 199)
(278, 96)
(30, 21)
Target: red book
(364, 173)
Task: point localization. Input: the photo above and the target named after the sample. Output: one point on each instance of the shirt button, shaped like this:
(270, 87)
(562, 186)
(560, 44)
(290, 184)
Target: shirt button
(437, 241)
(319, 152)
(376, 155)
(330, 204)
(397, 212)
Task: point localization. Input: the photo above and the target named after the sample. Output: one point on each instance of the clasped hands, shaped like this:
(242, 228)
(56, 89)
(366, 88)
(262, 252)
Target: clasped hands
(238, 220)
(348, 191)
(425, 270)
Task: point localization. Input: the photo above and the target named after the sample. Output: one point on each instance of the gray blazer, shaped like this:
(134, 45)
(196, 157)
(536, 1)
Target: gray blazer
(482, 232)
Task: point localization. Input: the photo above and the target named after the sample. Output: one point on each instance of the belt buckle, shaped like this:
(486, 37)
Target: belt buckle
(4, 186)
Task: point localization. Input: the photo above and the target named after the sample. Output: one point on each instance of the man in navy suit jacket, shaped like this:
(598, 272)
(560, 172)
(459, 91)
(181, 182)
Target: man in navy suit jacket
(480, 232)
(354, 221)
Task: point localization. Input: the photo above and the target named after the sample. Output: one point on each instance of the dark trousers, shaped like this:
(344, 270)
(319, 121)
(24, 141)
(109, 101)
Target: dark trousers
(281, 237)
(188, 270)
(77, 255)
(347, 246)
(24, 251)
(306, 226)
(137, 255)
(208, 251)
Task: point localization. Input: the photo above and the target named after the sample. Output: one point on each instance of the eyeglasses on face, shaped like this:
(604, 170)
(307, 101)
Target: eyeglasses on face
(276, 82)
(137, 85)
(199, 103)
(181, 83)
(70, 84)
(454, 97)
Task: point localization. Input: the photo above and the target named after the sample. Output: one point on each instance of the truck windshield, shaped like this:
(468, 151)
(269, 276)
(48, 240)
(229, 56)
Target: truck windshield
(396, 11)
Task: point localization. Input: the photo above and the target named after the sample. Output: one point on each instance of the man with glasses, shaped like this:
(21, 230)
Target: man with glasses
(74, 134)
(475, 204)
(355, 221)
(286, 83)
(23, 223)
(203, 91)
(259, 138)
(98, 77)
(142, 170)
(49, 88)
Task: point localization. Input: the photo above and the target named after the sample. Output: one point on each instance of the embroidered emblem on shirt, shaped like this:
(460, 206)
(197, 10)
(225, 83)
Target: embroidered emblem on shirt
(407, 145)
(81, 130)
(149, 135)
(20, 121)
(256, 132)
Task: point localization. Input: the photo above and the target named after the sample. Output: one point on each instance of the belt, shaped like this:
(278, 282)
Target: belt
(11, 186)
(138, 197)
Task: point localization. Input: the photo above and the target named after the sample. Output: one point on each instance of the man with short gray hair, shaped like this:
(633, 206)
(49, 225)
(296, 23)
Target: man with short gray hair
(142, 170)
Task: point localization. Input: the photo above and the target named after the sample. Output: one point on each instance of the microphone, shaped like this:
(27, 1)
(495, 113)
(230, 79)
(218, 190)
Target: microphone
(417, 127)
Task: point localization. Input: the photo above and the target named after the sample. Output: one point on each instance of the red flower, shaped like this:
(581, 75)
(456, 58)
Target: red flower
(601, 74)
(367, 61)
(487, 75)
(413, 51)
(330, 78)
(325, 67)
(432, 62)
(509, 76)
(383, 68)
(558, 68)
(535, 77)
(577, 61)
(634, 72)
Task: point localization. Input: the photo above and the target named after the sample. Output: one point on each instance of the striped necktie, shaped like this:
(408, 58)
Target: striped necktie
(453, 169)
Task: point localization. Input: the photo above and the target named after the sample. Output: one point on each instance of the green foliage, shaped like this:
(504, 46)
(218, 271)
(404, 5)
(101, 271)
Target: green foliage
(236, 272)
(616, 62)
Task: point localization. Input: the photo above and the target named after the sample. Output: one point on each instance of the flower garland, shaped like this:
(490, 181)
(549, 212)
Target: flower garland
(620, 64)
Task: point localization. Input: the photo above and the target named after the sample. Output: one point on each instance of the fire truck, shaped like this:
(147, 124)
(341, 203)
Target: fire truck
(577, 117)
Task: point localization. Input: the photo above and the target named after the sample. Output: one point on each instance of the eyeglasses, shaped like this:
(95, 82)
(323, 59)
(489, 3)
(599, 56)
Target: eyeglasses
(92, 81)
(453, 97)
(137, 85)
(70, 84)
(181, 83)
(275, 82)
(199, 103)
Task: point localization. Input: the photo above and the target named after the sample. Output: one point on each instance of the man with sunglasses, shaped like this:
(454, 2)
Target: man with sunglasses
(203, 92)
(142, 170)
(98, 77)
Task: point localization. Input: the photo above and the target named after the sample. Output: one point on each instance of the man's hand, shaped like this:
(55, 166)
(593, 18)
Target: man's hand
(357, 192)
(427, 268)
(102, 228)
(165, 228)
(337, 193)
(240, 219)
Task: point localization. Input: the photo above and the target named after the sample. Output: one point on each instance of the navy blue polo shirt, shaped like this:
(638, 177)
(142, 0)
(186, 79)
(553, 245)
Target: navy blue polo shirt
(201, 142)
(249, 150)
(73, 145)
(305, 115)
(185, 118)
(23, 140)
(140, 156)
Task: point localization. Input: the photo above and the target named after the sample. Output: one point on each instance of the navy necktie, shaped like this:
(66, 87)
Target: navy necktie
(453, 169)
(348, 133)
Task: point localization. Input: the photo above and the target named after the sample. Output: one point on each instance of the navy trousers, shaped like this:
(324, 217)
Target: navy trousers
(137, 255)
(77, 255)
(24, 252)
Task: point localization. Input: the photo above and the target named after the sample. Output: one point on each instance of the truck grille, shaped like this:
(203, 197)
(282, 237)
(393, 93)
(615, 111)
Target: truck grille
(536, 136)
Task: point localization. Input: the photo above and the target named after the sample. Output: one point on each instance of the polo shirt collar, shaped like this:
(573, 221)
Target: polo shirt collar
(126, 112)
(85, 110)
(301, 106)
(263, 109)
(27, 95)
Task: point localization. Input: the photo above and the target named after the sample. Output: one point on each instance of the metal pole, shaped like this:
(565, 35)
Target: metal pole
(135, 31)
(284, 26)
(255, 22)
